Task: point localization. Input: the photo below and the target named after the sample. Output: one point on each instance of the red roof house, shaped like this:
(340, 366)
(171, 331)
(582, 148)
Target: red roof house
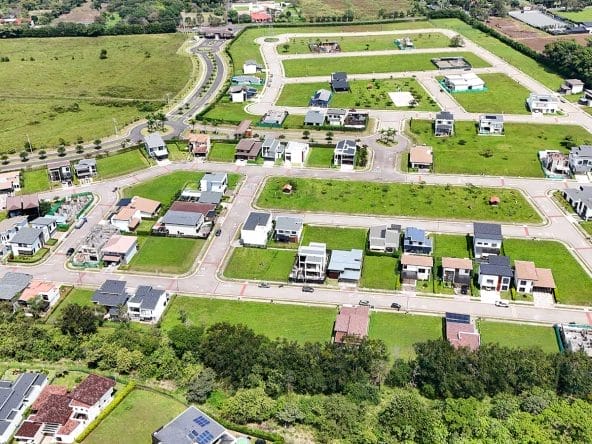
(351, 322)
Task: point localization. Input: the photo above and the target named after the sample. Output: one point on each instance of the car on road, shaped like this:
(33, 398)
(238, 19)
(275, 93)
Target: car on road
(70, 252)
(263, 285)
(218, 232)
(363, 302)
(308, 289)
(396, 305)
(80, 222)
(501, 303)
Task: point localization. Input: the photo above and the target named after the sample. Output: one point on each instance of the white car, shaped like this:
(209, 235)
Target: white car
(501, 303)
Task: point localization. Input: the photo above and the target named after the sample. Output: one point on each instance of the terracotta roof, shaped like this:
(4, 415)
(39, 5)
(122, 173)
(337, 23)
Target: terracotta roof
(125, 213)
(27, 429)
(544, 278)
(353, 321)
(462, 335)
(417, 260)
(68, 428)
(420, 154)
(35, 288)
(55, 410)
(120, 244)
(145, 205)
(92, 389)
(193, 207)
(25, 202)
(454, 262)
(525, 270)
(47, 391)
(198, 138)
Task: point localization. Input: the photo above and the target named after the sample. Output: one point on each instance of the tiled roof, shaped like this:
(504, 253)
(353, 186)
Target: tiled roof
(55, 410)
(353, 321)
(92, 389)
(417, 260)
(47, 391)
(454, 262)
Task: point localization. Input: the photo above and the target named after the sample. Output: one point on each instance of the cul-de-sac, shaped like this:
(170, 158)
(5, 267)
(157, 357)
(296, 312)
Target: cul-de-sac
(295, 222)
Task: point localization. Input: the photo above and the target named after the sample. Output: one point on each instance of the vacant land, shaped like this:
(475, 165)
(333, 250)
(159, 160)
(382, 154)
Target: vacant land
(518, 335)
(163, 188)
(514, 154)
(370, 64)
(450, 245)
(34, 181)
(61, 88)
(222, 152)
(139, 414)
(121, 164)
(574, 286)
(364, 94)
(380, 272)
(468, 202)
(261, 264)
(227, 111)
(362, 9)
(293, 322)
(585, 15)
(299, 45)
(171, 255)
(503, 95)
(320, 157)
(335, 238)
(78, 296)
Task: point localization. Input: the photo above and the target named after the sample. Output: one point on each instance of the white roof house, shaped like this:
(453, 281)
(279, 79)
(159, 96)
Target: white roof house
(155, 146)
(467, 81)
(217, 182)
(542, 103)
(295, 153)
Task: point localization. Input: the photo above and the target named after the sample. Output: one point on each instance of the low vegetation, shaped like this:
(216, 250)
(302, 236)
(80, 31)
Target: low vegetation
(260, 264)
(120, 164)
(170, 255)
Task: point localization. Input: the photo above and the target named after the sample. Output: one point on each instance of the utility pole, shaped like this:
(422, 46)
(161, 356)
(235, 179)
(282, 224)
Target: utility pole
(29, 142)
(115, 125)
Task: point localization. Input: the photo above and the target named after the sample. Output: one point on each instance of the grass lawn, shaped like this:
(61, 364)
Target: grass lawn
(78, 296)
(364, 94)
(574, 286)
(261, 264)
(227, 111)
(159, 254)
(451, 245)
(222, 152)
(320, 157)
(138, 415)
(60, 88)
(121, 164)
(163, 188)
(178, 151)
(34, 181)
(335, 238)
(587, 226)
(380, 272)
(367, 64)
(514, 154)
(299, 45)
(434, 201)
(504, 95)
(293, 322)
(518, 335)
(585, 15)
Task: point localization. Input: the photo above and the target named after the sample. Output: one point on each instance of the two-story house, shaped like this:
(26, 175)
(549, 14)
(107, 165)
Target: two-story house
(311, 263)
(217, 182)
(10, 182)
(156, 147)
(384, 238)
(444, 124)
(339, 82)
(415, 267)
(59, 171)
(580, 199)
(416, 241)
(295, 153)
(344, 154)
(456, 272)
(27, 241)
(199, 144)
(487, 239)
(530, 279)
(272, 149)
(288, 229)
(491, 124)
(580, 159)
(542, 103)
(495, 273)
(256, 229)
(147, 304)
(47, 225)
(345, 266)
(86, 168)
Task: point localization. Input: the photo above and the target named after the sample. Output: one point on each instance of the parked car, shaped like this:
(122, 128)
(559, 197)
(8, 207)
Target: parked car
(263, 285)
(70, 252)
(218, 232)
(363, 302)
(464, 289)
(80, 222)
(396, 305)
(308, 289)
(501, 303)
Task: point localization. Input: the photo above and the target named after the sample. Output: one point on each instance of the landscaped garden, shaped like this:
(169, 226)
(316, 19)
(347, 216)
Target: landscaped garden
(417, 200)
(260, 264)
(120, 164)
(513, 154)
(160, 254)
(370, 94)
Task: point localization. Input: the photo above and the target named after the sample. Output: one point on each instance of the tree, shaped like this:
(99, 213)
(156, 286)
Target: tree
(77, 320)
(573, 371)
(42, 154)
(400, 374)
(79, 149)
(24, 156)
(457, 41)
(329, 135)
(97, 143)
(61, 150)
(289, 413)
(249, 405)
(285, 47)
(305, 134)
(37, 306)
(201, 386)
(103, 54)
(4, 159)
(186, 338)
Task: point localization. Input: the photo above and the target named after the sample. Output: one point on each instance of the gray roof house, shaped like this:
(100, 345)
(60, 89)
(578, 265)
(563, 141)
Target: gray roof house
(311, 263)
(186, 218)
(487, 239)
(12, 284)
(495, 273)
(321, 98)
(47, 225)
(111, 294)
(580, 159)
(491, 124)
(210, 197)
(86, 168)
(147, 304)
(345, 152)
(339, 81)
(444, 124)
(288, 228)
(314, 117)
(155, 146)
(272, 149)
(26, 241)
(191, 427)
(384, 238)
(580, 199)
(346, 266)
(256, 229)
(273, 118)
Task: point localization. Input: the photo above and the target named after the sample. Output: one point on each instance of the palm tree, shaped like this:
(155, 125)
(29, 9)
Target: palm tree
(192, 122)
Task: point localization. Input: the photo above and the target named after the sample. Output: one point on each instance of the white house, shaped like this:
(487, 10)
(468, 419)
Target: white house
(147, 304)
(572, 86)
(47, 291)
(491, 124)
(495, 274)
(457, 272)
(155, 146)
(467, 81)
(542, 103)
(295, 153)
(9, 227)
(288, 229)
(47, 225)
(416, 267)
(126, 219)
(335, 116)
(311, 263)
(217, 182)
(487, 239)
(120, 249)
(344, 153)
(581, 200)
(10, 182)
(530, 279)
(250, 67)
(256, 229)
(27, 241)
(181, 223)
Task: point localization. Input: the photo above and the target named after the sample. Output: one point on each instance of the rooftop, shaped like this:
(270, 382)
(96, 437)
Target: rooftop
(421, 154)
(145, 205)
(353, 321)
(147, 297)
(111, 294)
(184, 218)
(256, 219)
(190, 427)
(417, 260)
(36, 288)
(26, 236)
(210, 197)
(119, 244)
(288, 223)
(92, 389)
(487, 231)
(453, 262)
(444, 115)
(154, 140)
(496, 266)
(43, 221)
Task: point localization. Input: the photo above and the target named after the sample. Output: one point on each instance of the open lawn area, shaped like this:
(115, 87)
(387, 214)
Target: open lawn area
(299, 45)
(121, 163)
(381, 272)
(227, 111)
(222, 152)
(514, 154)
(139, 414)
(585, 15)
(293, 322)
(574, 286)
(335, 238)
(61, 88)
(261, 264)
(504, 95)
(451, 245)
(34, 181)
(399, 62)
(518, 335)
(320, 157)
(364, 94)
(80, 296)
(339, 196)
(171, 255)
(361, 9)
(178, 150)
(163, 188)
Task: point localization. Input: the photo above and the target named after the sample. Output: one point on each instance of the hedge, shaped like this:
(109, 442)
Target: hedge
(120, 396)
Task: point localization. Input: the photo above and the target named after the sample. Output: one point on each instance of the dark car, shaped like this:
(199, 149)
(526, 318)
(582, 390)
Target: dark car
(263, 285)
(396, 305)
(308, 289)
(464, 290)
(70, 251)
(363, 302)
(218, 232)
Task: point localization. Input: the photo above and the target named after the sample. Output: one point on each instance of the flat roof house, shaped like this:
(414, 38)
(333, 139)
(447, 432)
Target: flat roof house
(467, 81)
(351, 324)
(147, 304)
(273, 119)
(556, 162)
(181, 223)
(461, 331)
(120, 249)
(27, 241)
(210, 197)
(288, 229)
(10, 182)
(581, 200)
(415, 268)
(487, 239)
(580, 159)
(12, 284)
(241, 93)
(345, 266)
(111, 295)
(335, 116)
(421, 157)
(315, 117)
(384, 238)
(86, 168)
(250, 67)
(47, 225)
(457, 272)
(246, 80)
(295, 153)
(191, 427)
(59, 171)
(572, 86)
(311, 263)
(89, 250)
(530, 279)
(339, 82)
(416, 241)
(272, 149)
(199, 144)
(344, 153)
(491, 124)
(256, 229)
(155, 146)
(495, 273)
(217, 182)
(356, 119)
(321, 98)
(247, 149)
(542, 103)
(444, 124)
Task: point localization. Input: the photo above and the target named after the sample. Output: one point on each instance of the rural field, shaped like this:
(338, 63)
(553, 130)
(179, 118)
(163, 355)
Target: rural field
(339, 196)
(513, 154)
(62, 88)
(364, 94)
(368, 64)
(362, 9)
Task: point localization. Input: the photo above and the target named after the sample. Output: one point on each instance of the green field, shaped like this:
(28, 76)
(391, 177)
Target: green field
(335, 238)
(299, 45)
(121, 164)
(381, 272)
(320, 157)
(574, 286)
(163, 188)
(369, 64)
(514, 154)
(451, 245)
(446, 202)
(364, 94)
(222, 152)
(139, 414)
(504, 95)
(171, 255)
(227, 111)
(518, 335)
(34, 181)
(60, 88)
(78, 296)
(293, 322)
(260, 264)
(585, 15)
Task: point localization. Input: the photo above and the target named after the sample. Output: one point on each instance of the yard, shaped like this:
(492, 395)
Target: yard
(227, 111)
(451, 245)
(416, 200)
(34, 181)
(380, 272)
(574, 286)
(136, 417)
(364, 94)
(222, 152)
(518, 335)
(163, 188)
(260, 264)
(585, 15)
(61, 88)
(514, 154)
(121, 164)
(335, 238)
(80, 296)
(320, 157)
(171, 255)
(504, 95)
(293, 322)
(400, 62)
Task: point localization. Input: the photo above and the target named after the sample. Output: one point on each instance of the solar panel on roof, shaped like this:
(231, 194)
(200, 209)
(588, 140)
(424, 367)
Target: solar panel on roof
(205, 438)
(201, 421)
(458, 318)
